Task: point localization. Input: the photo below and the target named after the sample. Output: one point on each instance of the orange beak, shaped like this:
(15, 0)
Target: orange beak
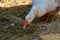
(25, 24)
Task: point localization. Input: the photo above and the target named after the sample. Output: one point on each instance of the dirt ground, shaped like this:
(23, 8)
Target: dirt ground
(11, 21)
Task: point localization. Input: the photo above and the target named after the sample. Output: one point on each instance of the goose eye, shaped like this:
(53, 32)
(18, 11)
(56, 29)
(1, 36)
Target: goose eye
(30, 17)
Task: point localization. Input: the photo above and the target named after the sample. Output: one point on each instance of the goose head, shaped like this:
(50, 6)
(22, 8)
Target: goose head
(28, 19)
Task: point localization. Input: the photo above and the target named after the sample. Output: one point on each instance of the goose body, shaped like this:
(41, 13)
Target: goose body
(39, 9)
(43, 6)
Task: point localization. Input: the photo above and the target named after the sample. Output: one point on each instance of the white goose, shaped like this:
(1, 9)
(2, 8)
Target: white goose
(39, 9)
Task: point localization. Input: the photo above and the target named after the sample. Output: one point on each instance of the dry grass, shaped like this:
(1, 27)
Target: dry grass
(7, 3)
(16, 15)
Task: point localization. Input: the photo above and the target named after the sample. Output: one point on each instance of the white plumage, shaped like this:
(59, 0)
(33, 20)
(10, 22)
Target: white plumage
(40, 8)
